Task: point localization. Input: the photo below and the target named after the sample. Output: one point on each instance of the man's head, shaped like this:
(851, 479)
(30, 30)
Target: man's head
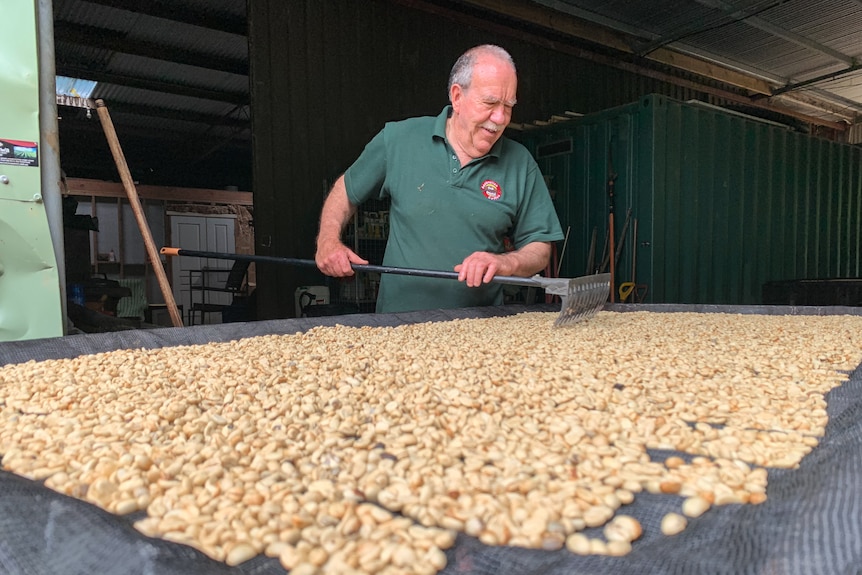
(482, 89)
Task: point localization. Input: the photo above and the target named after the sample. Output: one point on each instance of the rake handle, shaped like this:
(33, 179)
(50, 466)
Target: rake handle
(509, 280)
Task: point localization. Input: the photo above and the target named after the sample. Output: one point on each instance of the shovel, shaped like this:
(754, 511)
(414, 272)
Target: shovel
(582, 297)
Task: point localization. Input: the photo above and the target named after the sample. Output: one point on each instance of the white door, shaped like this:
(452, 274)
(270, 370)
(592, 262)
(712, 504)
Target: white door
(200, 233)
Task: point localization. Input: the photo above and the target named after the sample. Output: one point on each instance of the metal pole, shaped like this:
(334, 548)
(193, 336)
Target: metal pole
(52, 190)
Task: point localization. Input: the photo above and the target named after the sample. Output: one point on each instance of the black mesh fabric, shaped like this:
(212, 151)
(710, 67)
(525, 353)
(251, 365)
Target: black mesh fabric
(44, 533)
(811, 524)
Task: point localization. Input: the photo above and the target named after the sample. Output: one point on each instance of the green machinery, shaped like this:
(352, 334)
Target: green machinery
(31, 291)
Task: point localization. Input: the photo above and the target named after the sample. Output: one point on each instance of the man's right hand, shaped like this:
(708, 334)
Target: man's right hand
(335, 259)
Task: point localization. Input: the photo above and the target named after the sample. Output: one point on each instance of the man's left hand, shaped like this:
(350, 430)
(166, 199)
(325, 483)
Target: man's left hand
(479, 268)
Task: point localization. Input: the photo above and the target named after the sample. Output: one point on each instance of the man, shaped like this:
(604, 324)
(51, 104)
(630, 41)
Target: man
(457, 187)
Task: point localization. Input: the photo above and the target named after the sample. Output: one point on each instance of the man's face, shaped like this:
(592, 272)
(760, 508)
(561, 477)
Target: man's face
(482, 111)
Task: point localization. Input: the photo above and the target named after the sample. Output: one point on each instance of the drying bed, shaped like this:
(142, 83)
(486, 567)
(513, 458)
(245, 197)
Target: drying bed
(625, 420)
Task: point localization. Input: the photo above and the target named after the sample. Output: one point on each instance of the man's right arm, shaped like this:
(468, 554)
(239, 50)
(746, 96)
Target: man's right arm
(333, 258)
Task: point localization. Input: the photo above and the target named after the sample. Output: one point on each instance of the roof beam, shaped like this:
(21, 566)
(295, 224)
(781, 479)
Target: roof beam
(770, 28)
(154, 85)
(102, 189)
(120, 42)
(821, 105)
(824, 77)
(837, 99)
(561, 21)
(177, 12)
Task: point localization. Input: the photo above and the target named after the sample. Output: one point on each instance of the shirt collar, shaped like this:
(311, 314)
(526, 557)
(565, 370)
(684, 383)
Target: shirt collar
(440, 132)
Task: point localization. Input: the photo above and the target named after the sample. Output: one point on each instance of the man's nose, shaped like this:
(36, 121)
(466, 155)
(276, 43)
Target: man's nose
(500, 115)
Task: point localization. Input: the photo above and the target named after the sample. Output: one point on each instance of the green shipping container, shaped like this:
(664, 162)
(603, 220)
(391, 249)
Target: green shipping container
(718, 203)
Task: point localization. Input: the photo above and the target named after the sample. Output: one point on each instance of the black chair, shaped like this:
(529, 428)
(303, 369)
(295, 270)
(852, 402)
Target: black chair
(230, 281)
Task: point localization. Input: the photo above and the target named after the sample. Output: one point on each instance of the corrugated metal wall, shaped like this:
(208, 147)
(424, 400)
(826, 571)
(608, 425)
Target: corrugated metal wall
(724, 203)
(325, 76)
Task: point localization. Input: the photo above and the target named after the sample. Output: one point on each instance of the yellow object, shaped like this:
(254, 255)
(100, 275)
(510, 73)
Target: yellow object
(626, 289)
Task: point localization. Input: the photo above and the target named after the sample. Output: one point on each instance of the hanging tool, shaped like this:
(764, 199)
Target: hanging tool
(640, 290)
(619, 243)
(550, 272)
(634, 250)
(637, 292)
(622, 240)
(582, 297)
(612, 178)
(626, 289)
(563, 252)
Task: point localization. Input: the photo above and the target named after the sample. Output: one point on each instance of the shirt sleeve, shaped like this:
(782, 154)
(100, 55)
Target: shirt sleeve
(366, 176)
(537, 217)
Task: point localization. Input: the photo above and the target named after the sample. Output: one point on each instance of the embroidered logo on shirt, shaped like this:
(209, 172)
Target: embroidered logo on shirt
(492, 190)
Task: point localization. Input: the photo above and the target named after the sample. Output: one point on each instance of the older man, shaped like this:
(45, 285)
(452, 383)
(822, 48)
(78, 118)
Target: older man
(457, 188)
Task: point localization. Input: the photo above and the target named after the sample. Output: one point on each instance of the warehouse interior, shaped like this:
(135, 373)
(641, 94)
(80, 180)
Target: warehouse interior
(696, 411)
(275, 103)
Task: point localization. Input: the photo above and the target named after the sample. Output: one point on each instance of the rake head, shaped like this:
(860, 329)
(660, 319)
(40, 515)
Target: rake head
(583, 297)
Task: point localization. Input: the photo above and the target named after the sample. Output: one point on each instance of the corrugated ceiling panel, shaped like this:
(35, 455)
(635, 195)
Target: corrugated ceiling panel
(161, 31)
(177, 73)
(766, 52)
(94, 15)
(849, 87)
(836, 23)
(184, 37)
(654, 17)
(171, 129)
(742, 43)
(221, 7)
(133, 96)
(84, 56)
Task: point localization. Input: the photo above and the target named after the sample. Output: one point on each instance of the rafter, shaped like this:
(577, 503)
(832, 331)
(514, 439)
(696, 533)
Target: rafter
(177, 12)
(119, 42)
(819, 104)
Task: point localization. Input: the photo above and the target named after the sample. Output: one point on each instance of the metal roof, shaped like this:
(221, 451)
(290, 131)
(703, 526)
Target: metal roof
(808, 51)
(176, 71)
(173, 74)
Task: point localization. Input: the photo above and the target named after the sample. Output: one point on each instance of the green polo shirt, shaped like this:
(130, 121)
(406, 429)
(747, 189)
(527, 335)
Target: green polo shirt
(441, 212)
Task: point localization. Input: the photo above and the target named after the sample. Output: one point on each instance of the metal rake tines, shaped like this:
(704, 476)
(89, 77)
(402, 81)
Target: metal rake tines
(585, 298)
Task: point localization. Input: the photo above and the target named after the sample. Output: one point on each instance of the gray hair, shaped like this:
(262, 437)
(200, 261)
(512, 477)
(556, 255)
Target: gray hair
(462, 71)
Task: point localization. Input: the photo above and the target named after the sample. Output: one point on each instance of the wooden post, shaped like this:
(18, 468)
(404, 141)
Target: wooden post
(132, 193)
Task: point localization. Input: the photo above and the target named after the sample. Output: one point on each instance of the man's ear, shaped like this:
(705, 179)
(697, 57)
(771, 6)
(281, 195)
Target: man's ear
(455, 94)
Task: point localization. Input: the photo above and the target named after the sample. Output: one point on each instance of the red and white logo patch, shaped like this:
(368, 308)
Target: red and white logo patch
(492, 190)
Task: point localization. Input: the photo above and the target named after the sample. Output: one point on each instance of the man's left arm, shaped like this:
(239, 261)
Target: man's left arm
(480, 267)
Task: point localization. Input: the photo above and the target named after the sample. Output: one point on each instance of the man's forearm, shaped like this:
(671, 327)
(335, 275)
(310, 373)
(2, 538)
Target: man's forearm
(337, 211)
(528, 260)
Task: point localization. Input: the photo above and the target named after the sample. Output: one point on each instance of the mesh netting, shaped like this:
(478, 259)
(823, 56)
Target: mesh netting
(810, 524)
